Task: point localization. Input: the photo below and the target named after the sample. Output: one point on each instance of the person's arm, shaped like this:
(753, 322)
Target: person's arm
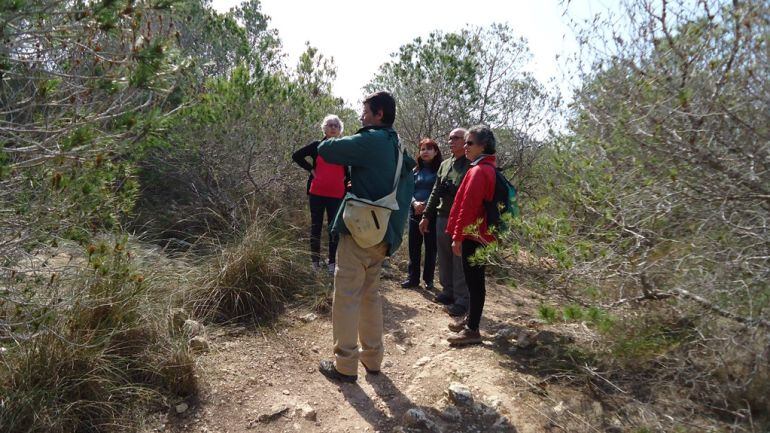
(300, 156)
(353, 150)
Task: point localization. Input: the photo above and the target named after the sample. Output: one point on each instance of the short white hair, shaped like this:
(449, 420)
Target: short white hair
(332, 118)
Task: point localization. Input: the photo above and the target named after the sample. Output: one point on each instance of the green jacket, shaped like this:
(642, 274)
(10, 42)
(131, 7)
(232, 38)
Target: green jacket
(450, 172)
(371, 155)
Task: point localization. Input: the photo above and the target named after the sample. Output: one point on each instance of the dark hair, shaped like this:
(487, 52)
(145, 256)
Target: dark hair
(436, 159)
(485, 136)
(382, 101)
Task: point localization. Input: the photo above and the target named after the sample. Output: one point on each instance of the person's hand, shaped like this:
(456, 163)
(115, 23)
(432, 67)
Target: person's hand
(457, 248)
(424, 225)
(419, 207)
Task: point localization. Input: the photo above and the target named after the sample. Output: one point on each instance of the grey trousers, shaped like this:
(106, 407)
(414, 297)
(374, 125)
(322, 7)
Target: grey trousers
(450, 266)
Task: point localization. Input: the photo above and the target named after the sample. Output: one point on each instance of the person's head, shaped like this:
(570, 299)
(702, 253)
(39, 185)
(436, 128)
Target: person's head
(479, 140)
(332, 126)
(379, 110)
(456, 141)
(428, 155)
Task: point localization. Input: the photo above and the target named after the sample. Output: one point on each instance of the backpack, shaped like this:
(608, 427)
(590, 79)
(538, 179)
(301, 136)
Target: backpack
(367, 220)
(503, 202)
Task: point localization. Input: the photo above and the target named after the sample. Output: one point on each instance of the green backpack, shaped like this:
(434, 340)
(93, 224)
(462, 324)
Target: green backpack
(503, 202)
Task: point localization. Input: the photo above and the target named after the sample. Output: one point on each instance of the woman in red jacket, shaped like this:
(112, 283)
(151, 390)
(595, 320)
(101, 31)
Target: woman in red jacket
(325, 189)
(467, 226)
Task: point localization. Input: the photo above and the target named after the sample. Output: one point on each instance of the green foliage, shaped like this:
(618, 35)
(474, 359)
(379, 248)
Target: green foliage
(547, 313)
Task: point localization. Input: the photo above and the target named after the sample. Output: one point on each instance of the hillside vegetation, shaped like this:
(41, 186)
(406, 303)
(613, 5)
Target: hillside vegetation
(146, 185)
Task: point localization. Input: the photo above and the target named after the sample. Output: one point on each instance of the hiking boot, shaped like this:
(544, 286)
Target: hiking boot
(458, 325)
(456, 310)
(409, 284)
(331, 267)
(316, 266)
(328, 369)
(443, 298)
(465, 337)
(369, 370)
(430, 286)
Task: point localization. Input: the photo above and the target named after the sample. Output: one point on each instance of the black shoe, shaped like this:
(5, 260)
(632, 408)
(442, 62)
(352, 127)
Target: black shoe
(328, 369)
(430, 286)
(409, 284)
(455, 310)
(368, 370)
(443, 298)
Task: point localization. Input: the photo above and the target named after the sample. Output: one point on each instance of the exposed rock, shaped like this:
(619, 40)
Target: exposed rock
(199, 344)
(275, 412)
(459, 394)
(306, 411)
(524, 340)
(416, 418)
(422, 361)
(451, 414)
(193, 328)
(307, 318)
(181, 408)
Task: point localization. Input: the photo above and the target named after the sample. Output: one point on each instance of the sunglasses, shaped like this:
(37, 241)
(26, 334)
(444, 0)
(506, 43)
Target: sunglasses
(469, 142)
(455, 137)
(335, 125)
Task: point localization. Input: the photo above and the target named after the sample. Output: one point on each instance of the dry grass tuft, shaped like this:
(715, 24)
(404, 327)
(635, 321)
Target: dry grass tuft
(88, 346)
(252, 278)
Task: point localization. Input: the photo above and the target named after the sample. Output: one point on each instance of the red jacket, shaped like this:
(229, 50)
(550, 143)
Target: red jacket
(477, 186)
(329, 180)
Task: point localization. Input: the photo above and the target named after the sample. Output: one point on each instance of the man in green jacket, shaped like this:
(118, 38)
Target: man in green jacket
(372, 155)
(450, 267)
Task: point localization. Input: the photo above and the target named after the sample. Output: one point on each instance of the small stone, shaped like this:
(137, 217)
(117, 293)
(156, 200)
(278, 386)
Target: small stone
(193, 328)
(416, 418)
(459, 394)
(315, 349)
(285, 392)
(401, 349)
(307, 318)
(451, 414)
(275, 412)
(306, 411)
(422, 361)
(199, 344)
(181, 407)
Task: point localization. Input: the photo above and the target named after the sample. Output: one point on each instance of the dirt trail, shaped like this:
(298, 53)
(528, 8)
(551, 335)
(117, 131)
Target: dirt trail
(267, 381)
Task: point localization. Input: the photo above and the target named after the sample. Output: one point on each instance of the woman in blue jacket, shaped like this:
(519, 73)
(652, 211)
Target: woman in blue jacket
(428, 161)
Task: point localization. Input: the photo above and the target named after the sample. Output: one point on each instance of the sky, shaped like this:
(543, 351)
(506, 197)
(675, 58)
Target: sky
(345, 31)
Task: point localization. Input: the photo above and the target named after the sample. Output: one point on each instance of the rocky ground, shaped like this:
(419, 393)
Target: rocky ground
(521, 379)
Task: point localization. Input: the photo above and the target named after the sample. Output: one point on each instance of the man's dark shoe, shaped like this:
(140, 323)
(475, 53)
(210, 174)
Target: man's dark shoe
(328, 369)
(458, 325)
(409, 284)
(443, 298)
(455, 310)
(369, 370)
(465, 337)
(430, 286)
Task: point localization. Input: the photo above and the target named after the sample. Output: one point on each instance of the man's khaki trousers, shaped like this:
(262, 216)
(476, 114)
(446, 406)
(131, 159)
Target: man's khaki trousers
(357, 306)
